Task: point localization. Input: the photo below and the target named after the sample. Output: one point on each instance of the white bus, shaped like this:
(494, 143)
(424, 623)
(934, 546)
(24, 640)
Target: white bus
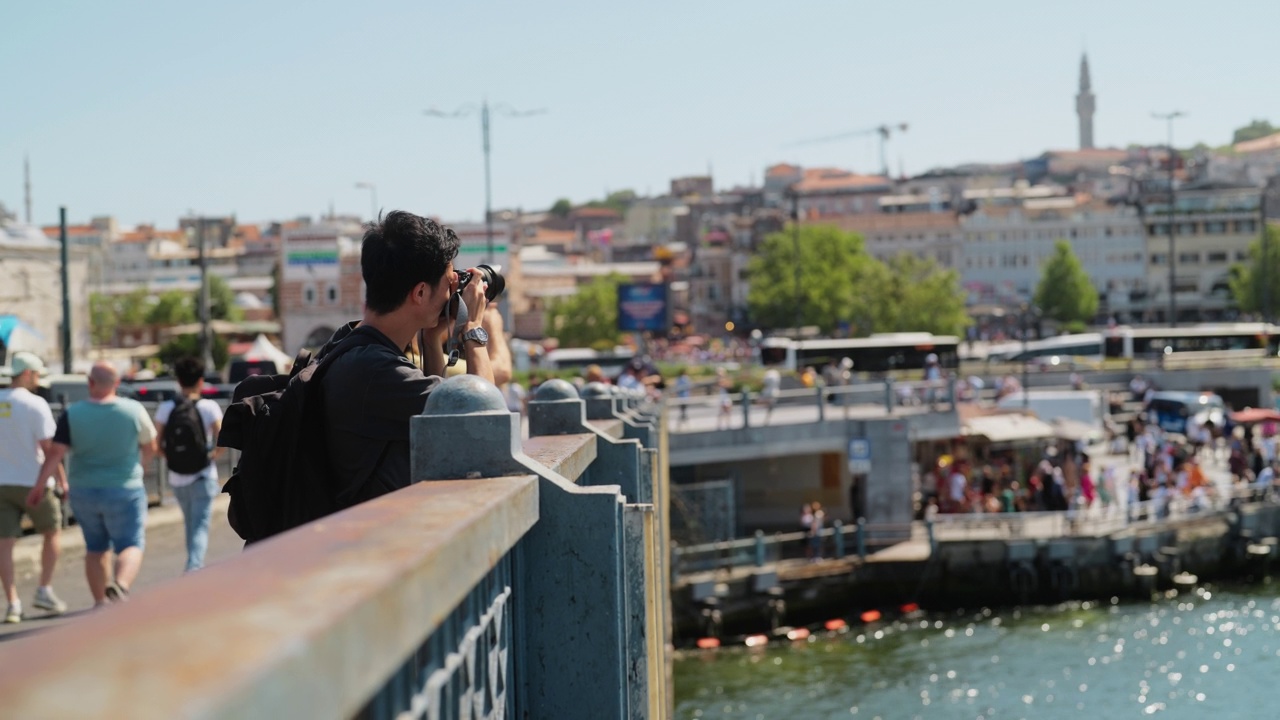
(878, 353)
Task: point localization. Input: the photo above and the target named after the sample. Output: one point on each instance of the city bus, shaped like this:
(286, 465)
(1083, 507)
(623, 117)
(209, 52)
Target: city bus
(876, 354)
(1080, 347)
(1148, 342)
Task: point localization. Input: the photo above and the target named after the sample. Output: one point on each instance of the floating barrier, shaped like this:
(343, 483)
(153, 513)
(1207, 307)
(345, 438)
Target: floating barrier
(756, 640)
(836, 624)
(708, 643)
(870, 616)
(798, 634)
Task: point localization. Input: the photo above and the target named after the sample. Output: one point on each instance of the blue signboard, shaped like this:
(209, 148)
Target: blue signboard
(642, 307)
(859, 456)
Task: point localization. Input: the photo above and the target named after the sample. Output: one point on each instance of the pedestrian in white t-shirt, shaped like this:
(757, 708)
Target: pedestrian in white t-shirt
(195, 491)
(26, 432)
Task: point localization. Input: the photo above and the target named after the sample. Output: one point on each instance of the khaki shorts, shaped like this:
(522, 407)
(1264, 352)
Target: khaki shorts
(46, 516)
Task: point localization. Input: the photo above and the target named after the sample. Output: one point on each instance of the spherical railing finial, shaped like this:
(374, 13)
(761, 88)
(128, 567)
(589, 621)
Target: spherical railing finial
(463, 395)
(556, 389)
(596, 391)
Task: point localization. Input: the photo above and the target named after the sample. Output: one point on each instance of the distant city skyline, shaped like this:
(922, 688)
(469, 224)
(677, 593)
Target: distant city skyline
(270, 112)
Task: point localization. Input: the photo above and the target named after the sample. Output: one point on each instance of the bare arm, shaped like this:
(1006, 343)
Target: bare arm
(54, 452)
(148, 451)
(217, 428)
(477, 356)
(499, 351)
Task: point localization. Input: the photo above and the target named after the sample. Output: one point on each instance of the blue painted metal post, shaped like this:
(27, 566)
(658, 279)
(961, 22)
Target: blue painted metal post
(888, 395)
(862, 538)
(760, 548)
(570, 581)
(822, 406)
(746, 408)
(838, 529)
(933, 544)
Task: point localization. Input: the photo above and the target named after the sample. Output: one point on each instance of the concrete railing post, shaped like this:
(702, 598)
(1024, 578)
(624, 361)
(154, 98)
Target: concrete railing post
(579, 641)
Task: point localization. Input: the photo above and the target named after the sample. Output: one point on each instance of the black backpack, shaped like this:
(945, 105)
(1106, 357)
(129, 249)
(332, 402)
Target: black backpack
(283, 478)
(186, 447)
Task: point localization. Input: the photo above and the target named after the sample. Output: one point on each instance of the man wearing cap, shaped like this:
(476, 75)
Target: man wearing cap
(26, 434)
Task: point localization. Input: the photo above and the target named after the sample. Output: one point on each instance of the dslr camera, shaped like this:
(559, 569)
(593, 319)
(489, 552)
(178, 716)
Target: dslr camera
(490, 274)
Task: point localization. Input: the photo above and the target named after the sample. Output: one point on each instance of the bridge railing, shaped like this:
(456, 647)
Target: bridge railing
(520, 579)
(1093, 522)
(837, 541)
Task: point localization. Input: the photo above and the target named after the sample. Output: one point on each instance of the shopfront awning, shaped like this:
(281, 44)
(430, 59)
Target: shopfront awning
(1007, 428)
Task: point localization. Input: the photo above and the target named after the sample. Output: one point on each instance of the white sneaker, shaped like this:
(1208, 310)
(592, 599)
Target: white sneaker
(14, 615)
(46, 600)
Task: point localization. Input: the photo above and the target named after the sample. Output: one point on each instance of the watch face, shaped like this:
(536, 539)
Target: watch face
(479, 334)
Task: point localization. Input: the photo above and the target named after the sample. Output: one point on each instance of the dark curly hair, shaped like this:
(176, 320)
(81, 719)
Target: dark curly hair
(398, 252)
(189, 371)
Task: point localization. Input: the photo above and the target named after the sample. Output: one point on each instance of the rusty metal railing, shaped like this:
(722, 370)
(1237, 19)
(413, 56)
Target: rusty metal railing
(522, 579)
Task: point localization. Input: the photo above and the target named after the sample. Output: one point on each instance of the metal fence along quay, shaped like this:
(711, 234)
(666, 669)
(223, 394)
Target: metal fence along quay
(519, 578)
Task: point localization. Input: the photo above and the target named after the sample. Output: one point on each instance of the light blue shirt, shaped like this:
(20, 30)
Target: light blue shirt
(104, 439)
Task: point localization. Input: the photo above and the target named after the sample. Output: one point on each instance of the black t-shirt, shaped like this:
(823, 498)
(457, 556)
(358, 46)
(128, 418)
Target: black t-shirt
(369, 394)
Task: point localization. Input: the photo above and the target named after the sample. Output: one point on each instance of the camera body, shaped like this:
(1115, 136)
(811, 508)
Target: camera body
(490, 274)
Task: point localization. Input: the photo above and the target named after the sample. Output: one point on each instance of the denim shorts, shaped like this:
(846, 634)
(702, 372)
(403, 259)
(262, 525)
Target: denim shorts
(110, 518)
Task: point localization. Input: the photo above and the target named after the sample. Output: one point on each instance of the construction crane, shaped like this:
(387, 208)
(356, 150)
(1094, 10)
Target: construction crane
(884, 131)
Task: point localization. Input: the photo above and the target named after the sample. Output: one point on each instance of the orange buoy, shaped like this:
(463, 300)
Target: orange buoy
(798, 634)
(910, 608)
(835, 624)
(708, 643)
(756, 640)
(870, 616)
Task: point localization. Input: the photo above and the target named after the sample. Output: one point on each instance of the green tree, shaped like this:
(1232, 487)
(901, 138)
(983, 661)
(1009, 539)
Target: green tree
(835, 275)
(916, 295)
(131, 309)
(1065, 292)
(588, 318)
(1249, 280)
(561, 208)
(222, 301)
(173, 307)
(1253, 131)
(619, 201)
(189, 346)
(103, 318)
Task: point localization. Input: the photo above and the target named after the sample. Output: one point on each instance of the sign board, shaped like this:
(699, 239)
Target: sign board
(859, 456)
(642, 307)
(311, 254)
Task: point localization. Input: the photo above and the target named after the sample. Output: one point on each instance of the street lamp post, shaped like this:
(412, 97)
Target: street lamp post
(1169, 117)
(795, 238)
(373, 199)
(485, 110)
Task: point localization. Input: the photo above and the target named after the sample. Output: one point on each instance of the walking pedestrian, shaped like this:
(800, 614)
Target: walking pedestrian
(26, 434)
(106, 439)
(188, 431)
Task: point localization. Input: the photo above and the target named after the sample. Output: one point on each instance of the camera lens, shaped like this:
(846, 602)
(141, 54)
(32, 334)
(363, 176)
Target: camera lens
(496, 283)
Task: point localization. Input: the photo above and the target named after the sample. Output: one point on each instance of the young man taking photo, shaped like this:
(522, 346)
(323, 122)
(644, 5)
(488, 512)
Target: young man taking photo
(373, 389)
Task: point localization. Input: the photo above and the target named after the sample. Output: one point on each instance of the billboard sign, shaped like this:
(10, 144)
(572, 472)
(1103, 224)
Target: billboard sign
(642, 307)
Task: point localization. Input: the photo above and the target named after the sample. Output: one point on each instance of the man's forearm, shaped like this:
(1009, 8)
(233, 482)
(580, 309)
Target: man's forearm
(478, 361)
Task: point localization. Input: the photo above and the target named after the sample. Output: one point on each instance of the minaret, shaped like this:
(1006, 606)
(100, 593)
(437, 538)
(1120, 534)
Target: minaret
(1084, 106)
(26, 185)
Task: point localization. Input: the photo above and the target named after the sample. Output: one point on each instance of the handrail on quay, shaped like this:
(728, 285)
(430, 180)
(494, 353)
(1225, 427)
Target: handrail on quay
(519, 578)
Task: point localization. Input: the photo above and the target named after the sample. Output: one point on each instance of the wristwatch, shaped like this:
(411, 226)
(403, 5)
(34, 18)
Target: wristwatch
(479, 336)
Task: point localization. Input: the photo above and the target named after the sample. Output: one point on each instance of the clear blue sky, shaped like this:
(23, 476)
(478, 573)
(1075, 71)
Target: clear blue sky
(273, 109)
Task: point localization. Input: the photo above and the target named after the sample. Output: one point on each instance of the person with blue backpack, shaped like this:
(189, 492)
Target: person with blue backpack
(188, 429)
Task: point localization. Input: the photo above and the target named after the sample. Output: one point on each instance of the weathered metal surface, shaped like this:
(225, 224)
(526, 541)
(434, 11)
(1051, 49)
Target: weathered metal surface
(609, 426)
(568, 455)
(464, 669)
(307, 624)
